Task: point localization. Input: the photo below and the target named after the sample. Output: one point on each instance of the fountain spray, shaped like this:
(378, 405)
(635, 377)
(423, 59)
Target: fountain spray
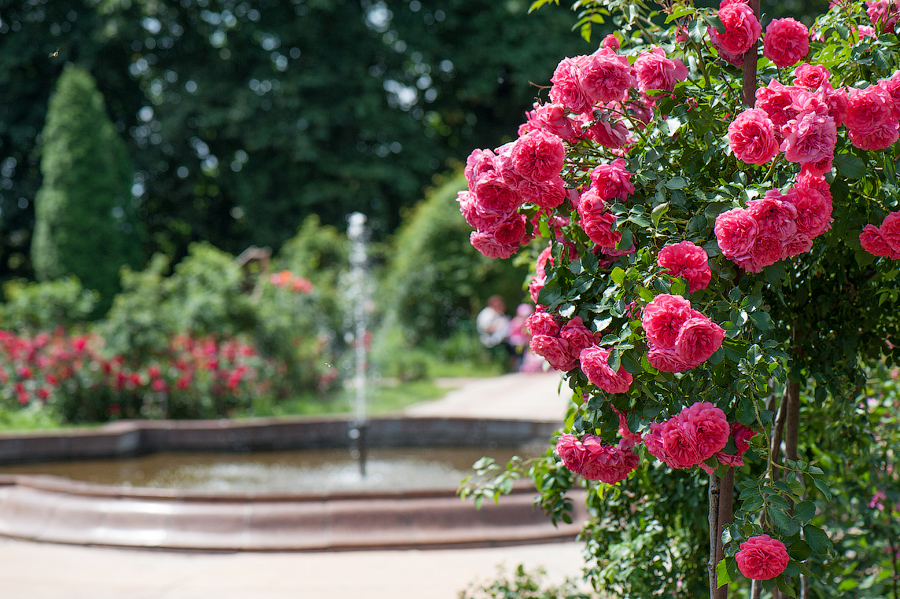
(359, 297)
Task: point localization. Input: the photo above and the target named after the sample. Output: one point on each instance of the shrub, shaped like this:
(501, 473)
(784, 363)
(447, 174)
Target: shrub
(37, 307)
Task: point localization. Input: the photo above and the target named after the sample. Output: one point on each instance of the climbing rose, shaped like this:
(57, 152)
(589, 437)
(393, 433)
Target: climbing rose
(811, 76)
(606, 76)
(752, 137)
(577, 337)
(551, 118)
(612, 181)
(873, 242)
(595, 364)
(566, 89)
(690, 437)
(611, 42)
(663, 317)
(608, 463)
(776, 100)
(890, 230)
(868, 110)
(762, 558)
(538, 156)
(813, 210)
(742, 29)
(487, 244)
(688, 261)
(571, 451)
(741, 435)
(810, 137)
(786, 42)
(554, 350)
(735, 233)
(542, 323)
(884, 13)
(656, 72)
(697, 340)
(596, 221)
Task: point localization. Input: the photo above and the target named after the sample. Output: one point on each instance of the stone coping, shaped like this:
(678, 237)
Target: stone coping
(134, 437)
(54, 509)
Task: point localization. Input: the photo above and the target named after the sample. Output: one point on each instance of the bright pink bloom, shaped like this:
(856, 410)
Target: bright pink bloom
(542, 323)
(552, 118)
(810, 137)
(555, 351)
(869, 109)
(596, 222)
(487, 244)
(567, 89)
(762, 558)
(577, 337)
(752, 136)
(736, 232)
(777, 100)
(879, 139)
(688, 261)
(883, 14)
(608, 463)
(786, 42)
(538, 156)
(767, 250)
(611, 42)
(665, 359)
(595, 365)
(656, 72)
(873, 242)
(663, 317)
(690, 437)
(742, 29)
(697, 340)
(572, 452)
(492, 192)
(606, 76)
(607, 131)
(775, 217)
(812, 76)
(511, 231)
(890, 230)
(813, 210)
(612, 181)
(741, 435)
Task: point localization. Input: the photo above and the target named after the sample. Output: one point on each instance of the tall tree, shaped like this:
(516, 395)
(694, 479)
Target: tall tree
(84, 223)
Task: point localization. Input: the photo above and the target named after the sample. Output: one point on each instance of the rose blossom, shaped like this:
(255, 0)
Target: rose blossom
(690, 437)
(884, 13)
(554, 350)
(596, 222)
(608, 463)
(511, 231)
(595, 365)
(607, 132)
(552, 118)
(663, 317)
(890, 230)
(868, 109)
(786, 42)
(811, 76)
(492, 192)
(698, 339)
(611, 42)
(671, 443)
(606, 76)
(487, 244)
(776, 101)
(742, 29)
(566, 89)
(751, 137)
(774, 216)
(577, 337)
(873, 242)
(767, 250)
(810, 137)
(478, 164)
(476, 214)
(762, 558)
(612, 181)
(656, 72)
(538, 156)
(542, 323)
(813, 210)
(624, 431)
(735, 233)
(572, 452)
(688, 261)
(882, 137)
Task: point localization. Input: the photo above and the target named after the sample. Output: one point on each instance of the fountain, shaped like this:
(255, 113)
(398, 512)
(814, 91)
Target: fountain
(359, 297)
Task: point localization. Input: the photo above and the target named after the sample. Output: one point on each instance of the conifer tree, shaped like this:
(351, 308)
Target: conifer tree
(83, 211)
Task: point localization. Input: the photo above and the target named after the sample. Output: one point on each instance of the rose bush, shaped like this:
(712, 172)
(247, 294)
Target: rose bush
(717, 242)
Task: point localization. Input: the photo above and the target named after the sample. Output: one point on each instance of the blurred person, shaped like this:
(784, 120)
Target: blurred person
(492, 324)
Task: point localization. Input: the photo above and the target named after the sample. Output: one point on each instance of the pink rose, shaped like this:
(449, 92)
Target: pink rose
(487, 244)
(612, 181)
(736, 232)
(566, 89)
(812, 180)
(890, 230)
(813, 210)
(812, 76)
(663, 317)
(676, 447)
(883, 14)
(493, 193)
(796, 245)
(666, 359)
(511, 231)
(572, 452)
(868, 110)
(762, 558)
(892, 86)
(767, 250)
(774, 216)
(698, 339)
(606, 76)
(741, 435)
(577, 337)
(596, 222)
(742, 29)
(607, 463)
(810, 137)
(538, 156)
(656, 72)
(873, 242)
(707, 428)
(611, 42)
(478, 164)
(752, 136)
(595, 365)
(607, 132)
(542, 323)
(776, 100)
(879, 139)
(552, 118)
(477, 215)
(786, 42)
(555, 351)
(838, 104)
(688, 261)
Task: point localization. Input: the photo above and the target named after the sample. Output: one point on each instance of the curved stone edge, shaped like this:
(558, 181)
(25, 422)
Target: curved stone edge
(34, 510)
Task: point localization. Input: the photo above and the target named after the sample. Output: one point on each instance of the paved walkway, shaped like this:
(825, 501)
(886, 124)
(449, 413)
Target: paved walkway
(45, 571)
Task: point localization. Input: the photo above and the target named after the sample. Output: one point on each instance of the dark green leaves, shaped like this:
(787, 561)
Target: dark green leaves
(849, 165)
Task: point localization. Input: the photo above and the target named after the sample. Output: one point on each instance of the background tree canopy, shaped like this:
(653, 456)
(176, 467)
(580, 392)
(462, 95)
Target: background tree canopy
(242, 118)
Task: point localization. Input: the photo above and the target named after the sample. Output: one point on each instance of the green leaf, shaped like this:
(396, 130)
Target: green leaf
(817, 539)
(781, 520)
(722, 576)
(785, 588)
(804, 511)
(617, 275)
(799, 550)
(613, 360)
(658, 212)
(600, 324)
(849, 165)
(823, 487)
(676, 183)
(762, 320)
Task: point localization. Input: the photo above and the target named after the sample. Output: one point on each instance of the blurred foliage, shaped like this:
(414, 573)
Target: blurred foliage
(35, 307)
(524, 584)
(242, 119)
(84, 221)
